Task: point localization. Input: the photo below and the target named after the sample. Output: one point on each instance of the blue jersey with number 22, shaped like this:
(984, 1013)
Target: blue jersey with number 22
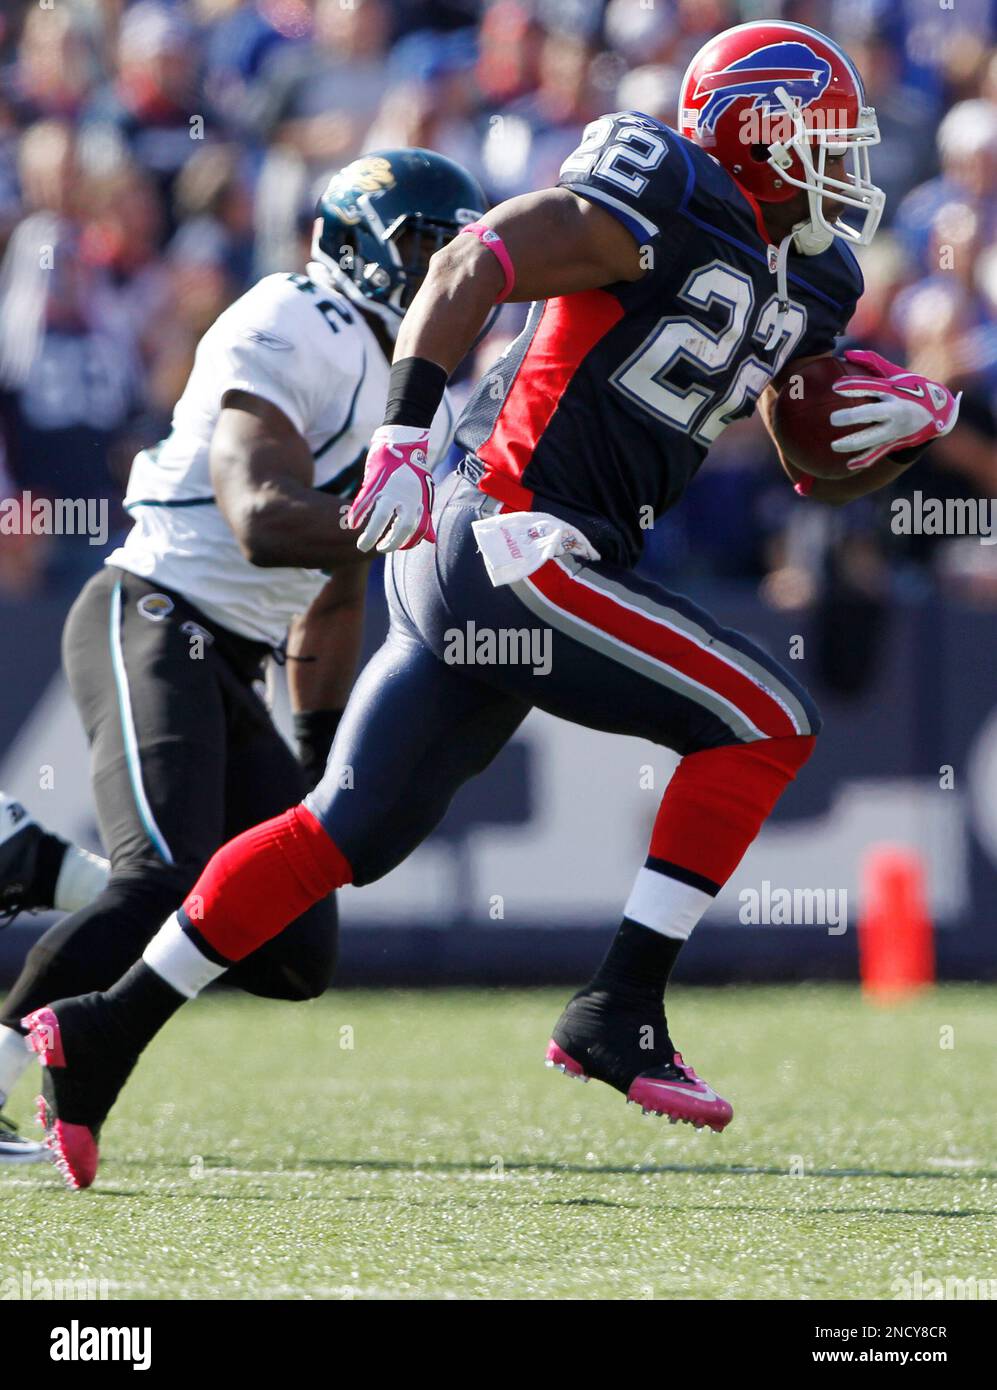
(606, 404)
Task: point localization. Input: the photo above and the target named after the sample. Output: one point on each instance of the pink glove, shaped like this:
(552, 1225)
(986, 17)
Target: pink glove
(395, 503)
(908, 410)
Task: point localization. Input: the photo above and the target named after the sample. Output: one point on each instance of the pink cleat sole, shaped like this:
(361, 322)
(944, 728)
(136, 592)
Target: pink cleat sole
(73, 1147)
(560, 1061)
(690, 1102)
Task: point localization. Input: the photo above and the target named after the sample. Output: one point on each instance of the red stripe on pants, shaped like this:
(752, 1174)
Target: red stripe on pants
(665, 644)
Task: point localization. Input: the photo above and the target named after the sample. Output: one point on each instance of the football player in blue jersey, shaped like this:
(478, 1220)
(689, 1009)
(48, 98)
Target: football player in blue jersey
(677, 277)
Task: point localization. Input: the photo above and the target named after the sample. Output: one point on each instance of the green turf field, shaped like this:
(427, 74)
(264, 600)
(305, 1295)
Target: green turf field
(254, 1156)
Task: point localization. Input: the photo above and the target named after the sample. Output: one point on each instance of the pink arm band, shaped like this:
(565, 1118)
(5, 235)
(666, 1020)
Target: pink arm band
(495, 243)
(804, 487)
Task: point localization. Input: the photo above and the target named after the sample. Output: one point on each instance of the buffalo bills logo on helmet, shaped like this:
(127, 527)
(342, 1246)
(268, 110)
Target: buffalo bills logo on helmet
(794, 66)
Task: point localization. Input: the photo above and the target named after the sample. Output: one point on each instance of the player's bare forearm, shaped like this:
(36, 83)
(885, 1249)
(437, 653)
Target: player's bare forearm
(837, 491)
(262, 472)
(558, 244)
(323, 645)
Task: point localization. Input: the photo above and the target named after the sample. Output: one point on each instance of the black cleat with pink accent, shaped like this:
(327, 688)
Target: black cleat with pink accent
(624, 1042)
(85, 1063)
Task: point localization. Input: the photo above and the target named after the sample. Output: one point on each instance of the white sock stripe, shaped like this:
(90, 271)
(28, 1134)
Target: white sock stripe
(82, 876)
(176, 959)
(665, 905)
(15, 1057)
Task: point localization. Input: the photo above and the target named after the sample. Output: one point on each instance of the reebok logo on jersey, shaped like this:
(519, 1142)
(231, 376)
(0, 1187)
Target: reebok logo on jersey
(268, 340)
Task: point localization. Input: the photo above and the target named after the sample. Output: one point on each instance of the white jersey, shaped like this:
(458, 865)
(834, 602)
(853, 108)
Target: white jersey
(305, 348)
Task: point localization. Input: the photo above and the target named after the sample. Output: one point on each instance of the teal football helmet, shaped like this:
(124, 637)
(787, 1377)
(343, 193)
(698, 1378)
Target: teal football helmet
(381, 218)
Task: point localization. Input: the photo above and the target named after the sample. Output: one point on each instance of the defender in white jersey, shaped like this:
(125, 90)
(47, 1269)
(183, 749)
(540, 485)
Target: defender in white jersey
(239, 548)
(305, 348)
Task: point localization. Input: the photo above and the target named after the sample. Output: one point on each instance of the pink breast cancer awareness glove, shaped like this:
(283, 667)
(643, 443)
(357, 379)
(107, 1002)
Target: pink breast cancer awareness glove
(395, 503)
(908, 410)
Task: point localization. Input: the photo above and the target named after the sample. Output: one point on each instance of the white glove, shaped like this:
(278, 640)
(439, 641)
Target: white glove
(908, 410)
(395, 502)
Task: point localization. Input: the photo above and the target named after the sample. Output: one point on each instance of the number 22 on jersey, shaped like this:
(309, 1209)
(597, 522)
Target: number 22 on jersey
(700, 410)
(696, 409)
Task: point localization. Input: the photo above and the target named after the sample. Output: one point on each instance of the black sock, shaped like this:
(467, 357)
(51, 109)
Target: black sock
(142, 1002)
(637, 963)
(90, 949)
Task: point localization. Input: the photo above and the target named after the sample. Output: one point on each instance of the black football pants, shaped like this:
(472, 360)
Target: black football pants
(184, 756)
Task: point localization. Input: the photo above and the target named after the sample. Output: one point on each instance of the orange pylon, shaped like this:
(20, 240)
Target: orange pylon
(896, 936)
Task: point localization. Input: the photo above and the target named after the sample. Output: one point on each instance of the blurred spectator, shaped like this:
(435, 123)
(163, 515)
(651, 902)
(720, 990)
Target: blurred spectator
(150, 106)
(55, 67)
(907, 119)
(941, 321)
(653, 89)
(642, 33)
(319, 97)
(47, 173)
(432, 103)
(441, 16)
(510, 40)
(527, 143)
(886, 268)
(239, 39)
(10, 203)
(214, 200)
(967, 149)
(69, 379)
(121, 237)
(200, 289)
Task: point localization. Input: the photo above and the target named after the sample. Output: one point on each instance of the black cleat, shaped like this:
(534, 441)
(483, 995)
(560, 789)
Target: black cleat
(21, 840)
(85, 1064)
(624, 1042)
(14, 1148)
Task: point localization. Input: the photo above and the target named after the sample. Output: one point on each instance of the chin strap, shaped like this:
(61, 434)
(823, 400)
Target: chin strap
(809, 241)
(778, 264)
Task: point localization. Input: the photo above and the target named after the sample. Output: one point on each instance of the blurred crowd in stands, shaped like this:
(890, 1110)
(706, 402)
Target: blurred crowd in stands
(158, 156)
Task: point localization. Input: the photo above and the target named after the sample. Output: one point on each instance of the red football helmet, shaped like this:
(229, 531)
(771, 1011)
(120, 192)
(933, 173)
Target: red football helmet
(772, 102)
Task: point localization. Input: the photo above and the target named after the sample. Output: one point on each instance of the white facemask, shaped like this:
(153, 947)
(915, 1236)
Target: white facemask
(856, 190)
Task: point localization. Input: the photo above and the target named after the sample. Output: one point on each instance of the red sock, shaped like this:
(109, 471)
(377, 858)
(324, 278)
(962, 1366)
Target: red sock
(262, 880)
(717, 800)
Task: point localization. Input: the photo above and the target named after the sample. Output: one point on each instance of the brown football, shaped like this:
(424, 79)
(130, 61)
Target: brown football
(801, 418)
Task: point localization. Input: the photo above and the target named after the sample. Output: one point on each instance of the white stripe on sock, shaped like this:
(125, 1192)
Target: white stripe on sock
(82, 876)
(15, 1056)
(177, 960)
(665, 905)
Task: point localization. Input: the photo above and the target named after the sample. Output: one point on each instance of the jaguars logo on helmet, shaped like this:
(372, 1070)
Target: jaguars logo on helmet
(381, 218)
